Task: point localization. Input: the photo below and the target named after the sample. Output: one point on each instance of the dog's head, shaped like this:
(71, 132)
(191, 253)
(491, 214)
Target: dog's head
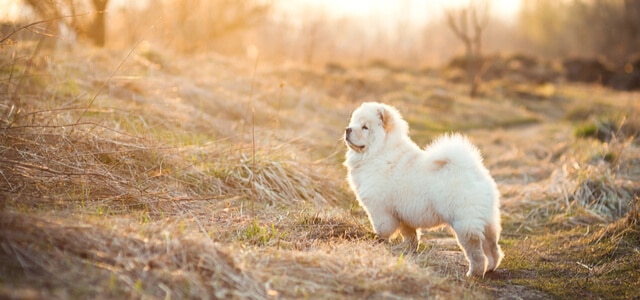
(372, 124)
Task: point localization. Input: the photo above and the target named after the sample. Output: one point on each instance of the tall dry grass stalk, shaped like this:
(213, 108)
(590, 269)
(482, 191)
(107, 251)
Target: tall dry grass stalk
(106, 81)
(253, 138)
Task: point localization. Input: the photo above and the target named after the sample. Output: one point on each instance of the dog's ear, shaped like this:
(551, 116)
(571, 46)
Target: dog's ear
(387, 119)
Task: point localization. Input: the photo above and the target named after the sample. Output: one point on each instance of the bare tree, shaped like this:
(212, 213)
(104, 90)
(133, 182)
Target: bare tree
(93, 30)
(582, 28)
(474, 17)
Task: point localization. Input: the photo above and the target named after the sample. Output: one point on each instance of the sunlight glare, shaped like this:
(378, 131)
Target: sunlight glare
(12, 10)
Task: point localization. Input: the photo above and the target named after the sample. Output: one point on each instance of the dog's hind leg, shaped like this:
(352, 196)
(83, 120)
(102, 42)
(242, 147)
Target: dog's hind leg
(491, 248)
(471, 245)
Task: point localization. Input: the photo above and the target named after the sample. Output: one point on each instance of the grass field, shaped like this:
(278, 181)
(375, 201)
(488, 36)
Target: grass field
(147, 176)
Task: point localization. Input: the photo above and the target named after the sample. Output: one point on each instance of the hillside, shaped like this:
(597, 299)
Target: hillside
(145, 175)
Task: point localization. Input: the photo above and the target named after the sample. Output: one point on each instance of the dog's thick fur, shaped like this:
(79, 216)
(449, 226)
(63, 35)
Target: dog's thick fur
(404, 188)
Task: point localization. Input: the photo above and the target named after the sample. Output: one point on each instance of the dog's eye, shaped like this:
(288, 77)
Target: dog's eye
(364, 127)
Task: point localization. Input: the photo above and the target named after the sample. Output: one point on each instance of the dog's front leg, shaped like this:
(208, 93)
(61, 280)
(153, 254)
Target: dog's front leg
(384, 224)
(411, 236)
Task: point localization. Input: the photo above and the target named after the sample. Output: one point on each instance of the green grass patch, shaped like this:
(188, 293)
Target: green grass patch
(262, 235)
(575, 263)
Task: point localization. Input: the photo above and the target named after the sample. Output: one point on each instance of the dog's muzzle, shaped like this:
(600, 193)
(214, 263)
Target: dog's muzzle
(351, 145)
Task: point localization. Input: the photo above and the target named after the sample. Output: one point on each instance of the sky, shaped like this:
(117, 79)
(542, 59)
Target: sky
(417, 12)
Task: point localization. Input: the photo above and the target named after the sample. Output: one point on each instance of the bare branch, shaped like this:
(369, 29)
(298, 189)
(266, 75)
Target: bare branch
(481, 22)
(26, 165)
(459, 31)
(40, 22)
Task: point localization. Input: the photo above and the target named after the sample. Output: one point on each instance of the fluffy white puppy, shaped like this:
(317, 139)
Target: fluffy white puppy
(404, 188)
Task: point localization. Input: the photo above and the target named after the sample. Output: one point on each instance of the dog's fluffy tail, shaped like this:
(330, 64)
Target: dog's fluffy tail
(454, 149)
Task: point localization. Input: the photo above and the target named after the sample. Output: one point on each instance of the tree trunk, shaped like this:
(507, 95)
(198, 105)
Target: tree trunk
(97, 32)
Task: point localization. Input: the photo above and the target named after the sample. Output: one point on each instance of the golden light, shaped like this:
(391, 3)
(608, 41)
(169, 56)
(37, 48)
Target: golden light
(414, 11)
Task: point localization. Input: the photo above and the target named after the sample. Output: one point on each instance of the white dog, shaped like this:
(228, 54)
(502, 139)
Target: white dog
(405, 188)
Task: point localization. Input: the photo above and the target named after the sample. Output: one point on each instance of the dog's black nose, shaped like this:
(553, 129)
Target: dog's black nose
(348, 130)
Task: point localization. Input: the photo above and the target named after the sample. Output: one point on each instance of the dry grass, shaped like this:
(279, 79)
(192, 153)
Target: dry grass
(101, 162)
(152, 191)
(49, 256)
